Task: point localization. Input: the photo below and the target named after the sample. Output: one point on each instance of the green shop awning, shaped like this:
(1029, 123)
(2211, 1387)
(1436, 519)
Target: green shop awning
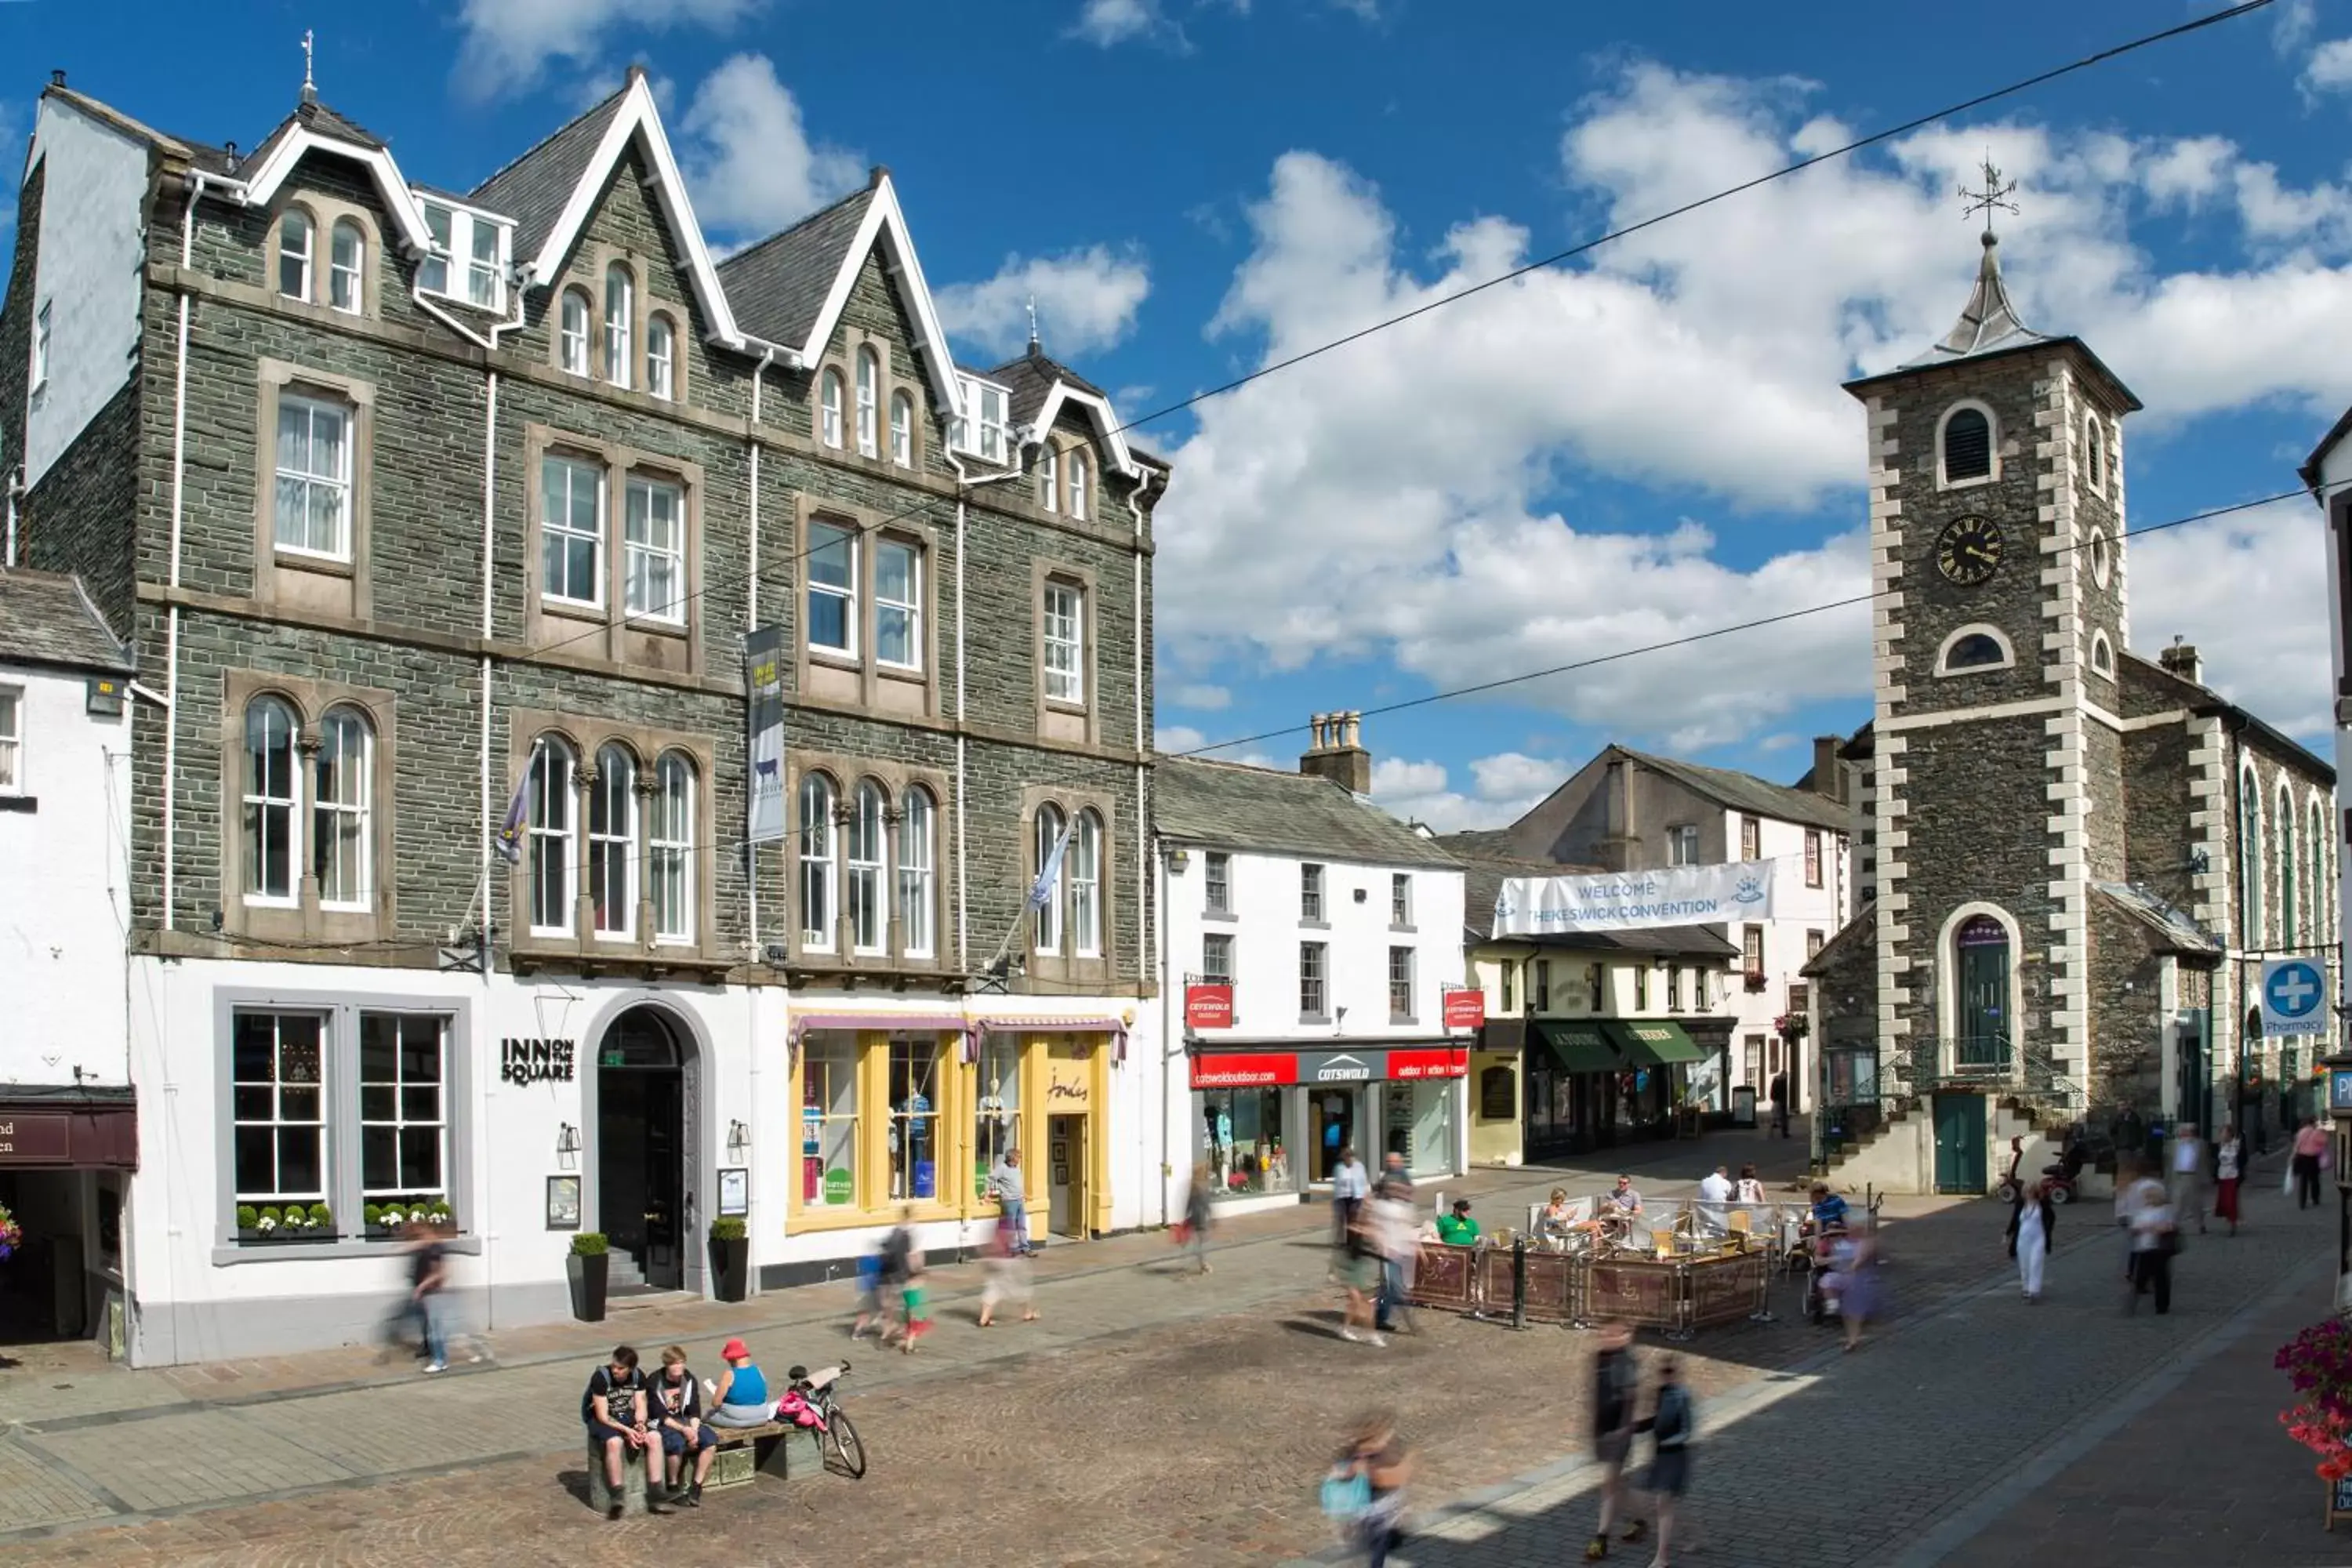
(1652, 1042)
(1580, 1047)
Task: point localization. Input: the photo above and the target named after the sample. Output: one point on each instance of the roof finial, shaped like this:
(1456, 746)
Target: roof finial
(1993, 198)
(310, 86)
(1032, 324)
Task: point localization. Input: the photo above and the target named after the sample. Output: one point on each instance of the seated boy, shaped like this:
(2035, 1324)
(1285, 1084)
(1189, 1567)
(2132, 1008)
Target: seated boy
(613, 1410)
(677, 1410)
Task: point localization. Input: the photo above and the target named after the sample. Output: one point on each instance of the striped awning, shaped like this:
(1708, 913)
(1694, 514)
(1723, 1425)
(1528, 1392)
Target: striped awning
(1114, 1027)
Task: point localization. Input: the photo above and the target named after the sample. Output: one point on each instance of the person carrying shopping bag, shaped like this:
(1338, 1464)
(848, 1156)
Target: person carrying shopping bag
(1363, 1494)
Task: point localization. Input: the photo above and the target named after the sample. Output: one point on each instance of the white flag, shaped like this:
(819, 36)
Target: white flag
(1043, 888)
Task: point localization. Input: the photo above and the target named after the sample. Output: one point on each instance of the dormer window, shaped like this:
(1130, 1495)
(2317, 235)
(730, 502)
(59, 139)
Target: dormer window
(1078, 486)
(1048, 480)
(902, 429)
(982, 430)
(468, 259)
(574, 331)
(828, 429)
(620, 311)
(869, 377)
(294, 242)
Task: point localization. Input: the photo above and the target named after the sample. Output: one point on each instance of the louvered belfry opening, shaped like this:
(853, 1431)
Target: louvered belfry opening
(1968, 446)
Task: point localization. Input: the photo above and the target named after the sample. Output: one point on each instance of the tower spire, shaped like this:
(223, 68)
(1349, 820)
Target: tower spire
(1032, 324)
(1990, 320)
(309, 85)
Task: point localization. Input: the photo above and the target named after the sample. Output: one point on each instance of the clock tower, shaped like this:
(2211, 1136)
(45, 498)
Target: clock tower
(1997, 554)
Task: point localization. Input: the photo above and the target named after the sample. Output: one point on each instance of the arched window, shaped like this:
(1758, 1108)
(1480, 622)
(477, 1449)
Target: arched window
(552, 851)
(1049, 848)
(816, 862)
(1974, 648)
(346, 267)
(2322, 902)
(1086, 886)
(916, 852)
(661, 358)
(1966, 445)
(902, 429)
(574, 331)
(272, 797)
(669, 843)
(2289, 912)
(339, 806)
(828, 416)
(2094, 453)
(1078, 498)
(1049, 483)
(620, 311)
(864, 908)
(2250, 860)
(613, 843)
(2103, 654)
(1980, 967)
(869, 389)
(294, 254)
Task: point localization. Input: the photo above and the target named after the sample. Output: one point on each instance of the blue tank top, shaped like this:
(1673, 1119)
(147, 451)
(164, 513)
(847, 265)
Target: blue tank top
(749, 1388)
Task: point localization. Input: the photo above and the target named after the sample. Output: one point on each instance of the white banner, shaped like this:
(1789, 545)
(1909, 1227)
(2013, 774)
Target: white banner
(763, 686)
(1632, 900)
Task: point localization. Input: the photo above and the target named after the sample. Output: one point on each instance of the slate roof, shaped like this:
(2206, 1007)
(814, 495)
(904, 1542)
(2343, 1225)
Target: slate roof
(46, 618)
(320, 120)
(1856, 932)
(2173, 930)
(1747, 792)
(534, 189)
(2309, 759)
(1989, 323)
(1031, 379)
(777, 287)
(1246, 807)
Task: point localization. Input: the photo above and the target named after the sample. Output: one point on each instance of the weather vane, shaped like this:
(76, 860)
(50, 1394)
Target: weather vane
(308, 85)
(1033, 321)
(1993, 197)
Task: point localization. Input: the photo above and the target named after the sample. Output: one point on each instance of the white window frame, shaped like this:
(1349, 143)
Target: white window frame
(39, 377)
(1046, 834)
(574, 312)
(1065, 643)
(869, 392)
(661, 357)
(321, 1123)
(648, 547)
(433, 268)
(401, 1121)
(1816, 857)
(1399, 898)
(1681, 844)
(1049, 478)
(1217, 883)
(1217, 957)
(1400, 986)
(902, 429)
(1315, 1002)
(865, 862)
(829, 414)
(2101, 552)
(847, 539)
(2103, 654)
(12, 740)
(486, 273)
(347, 281)
(1078, 494)
(1944, 666)
(252, 878)
(993, 401)
(550, 783)
(306, 257)
(620, 322)
(1992, 445)
(454, 266)
(669, 847)
(1082, 866)
(347, 745)
(816, 804)
(555, 529)
(613, 846)
(910, 607)
(918, 857)
(1311, 902)
(306, 481)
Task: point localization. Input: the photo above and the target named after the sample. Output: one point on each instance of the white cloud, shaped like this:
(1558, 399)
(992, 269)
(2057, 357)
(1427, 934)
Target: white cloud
(508, 43)
(1087, 299)
(1177, 738)
(1506, 785)
(2251, 591)
(749, 157)
(2329, 68)
(1106, 24)
(1431, 479)
(1202, 697)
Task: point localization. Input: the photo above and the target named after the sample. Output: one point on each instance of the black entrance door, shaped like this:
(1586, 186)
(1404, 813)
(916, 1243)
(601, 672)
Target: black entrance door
(640, 1146)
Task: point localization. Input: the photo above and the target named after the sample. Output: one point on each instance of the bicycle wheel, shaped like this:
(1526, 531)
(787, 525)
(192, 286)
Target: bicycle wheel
(842, 1437)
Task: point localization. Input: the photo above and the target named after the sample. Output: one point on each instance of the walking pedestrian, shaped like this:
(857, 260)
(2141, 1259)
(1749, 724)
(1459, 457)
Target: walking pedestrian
(2229, 1172)
(2156, 1236)
(902, 1272)
(1360, 1275)
(1349, 1188)
(1616, 1384)
(428, 1280)
(2032, 1222)
(1200, 1215)
(1672, 1427)
(2188, 1176)
(1011, 1193)
(1780, 1103)
(1364, 1491)
(870, 1314)
(1006, 1274)
(2310, 1151)
(1856, 1274)
(1394, 1223)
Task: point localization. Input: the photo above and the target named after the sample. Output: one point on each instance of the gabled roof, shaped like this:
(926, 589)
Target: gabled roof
(1857, 933)
(535, 187)
(2204, 696)
(313, 127)
(777, 286)
(46, 617)
(1040, 388)
(1237, 805)
(2172, 930)
(113, 118)
(1747, 792)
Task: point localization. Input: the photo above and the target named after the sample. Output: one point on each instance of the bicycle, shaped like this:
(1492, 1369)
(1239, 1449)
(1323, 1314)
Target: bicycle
(838, 1436)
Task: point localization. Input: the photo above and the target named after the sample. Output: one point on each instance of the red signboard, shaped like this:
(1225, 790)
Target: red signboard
(1443, 1062)
(1465, 1008)
(1208, 1006)
(1251, 1069)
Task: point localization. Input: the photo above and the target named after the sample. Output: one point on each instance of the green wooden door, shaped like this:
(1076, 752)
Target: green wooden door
(1959, 1143)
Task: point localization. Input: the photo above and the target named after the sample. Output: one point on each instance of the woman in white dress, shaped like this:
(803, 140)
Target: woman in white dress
(2032, 1221)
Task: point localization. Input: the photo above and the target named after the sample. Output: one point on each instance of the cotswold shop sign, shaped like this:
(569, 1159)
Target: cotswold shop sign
(535, 1061)
(1633, 901)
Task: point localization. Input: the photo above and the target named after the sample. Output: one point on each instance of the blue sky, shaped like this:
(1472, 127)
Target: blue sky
(1648, 443)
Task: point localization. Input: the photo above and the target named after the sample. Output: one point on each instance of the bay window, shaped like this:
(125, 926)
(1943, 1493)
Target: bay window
(476, 242)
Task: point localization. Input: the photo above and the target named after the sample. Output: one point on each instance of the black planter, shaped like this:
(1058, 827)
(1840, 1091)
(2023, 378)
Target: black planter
(589, 1274)
(730, 1261)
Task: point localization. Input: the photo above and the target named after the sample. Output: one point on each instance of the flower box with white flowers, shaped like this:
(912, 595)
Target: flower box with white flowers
(271, 1225)
(388, 1221)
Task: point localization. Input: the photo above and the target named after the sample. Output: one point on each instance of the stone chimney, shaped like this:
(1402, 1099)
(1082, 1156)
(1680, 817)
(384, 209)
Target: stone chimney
(1338, 753)
(1829, 773)
(2181, 659)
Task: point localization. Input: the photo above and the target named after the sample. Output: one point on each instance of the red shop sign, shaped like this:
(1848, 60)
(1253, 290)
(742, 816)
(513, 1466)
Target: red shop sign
(1208, 1006)
(1465, 1008)
(1250, 1070)
(1443, 1062)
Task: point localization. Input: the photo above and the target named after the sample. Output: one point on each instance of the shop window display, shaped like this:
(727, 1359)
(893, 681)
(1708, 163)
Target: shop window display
(1242, 1141)
(997, 1118)
(914, 1120)
(828, 1121)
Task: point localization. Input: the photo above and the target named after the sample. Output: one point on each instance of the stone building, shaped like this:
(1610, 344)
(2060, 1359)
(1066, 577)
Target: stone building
(2081, 854)
(413, 504)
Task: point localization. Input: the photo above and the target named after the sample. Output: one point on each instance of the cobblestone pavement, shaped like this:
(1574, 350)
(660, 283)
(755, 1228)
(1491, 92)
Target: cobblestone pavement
(1154, 1417)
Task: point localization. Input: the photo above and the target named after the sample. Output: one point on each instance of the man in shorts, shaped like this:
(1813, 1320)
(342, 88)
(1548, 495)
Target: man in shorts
(1616, 1386)
(613, 1410)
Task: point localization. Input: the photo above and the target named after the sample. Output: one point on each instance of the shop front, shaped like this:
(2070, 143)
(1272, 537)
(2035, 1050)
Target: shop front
(66, 1156)
(1592, 1083)
(1270, 1121)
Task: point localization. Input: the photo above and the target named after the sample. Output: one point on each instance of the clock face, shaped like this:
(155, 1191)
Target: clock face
(1968, 552)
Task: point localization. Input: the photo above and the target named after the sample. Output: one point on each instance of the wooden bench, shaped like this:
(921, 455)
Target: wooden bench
(777, 1448)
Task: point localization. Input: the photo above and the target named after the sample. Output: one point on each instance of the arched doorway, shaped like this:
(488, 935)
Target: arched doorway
(1980, 959)
(642, 1198)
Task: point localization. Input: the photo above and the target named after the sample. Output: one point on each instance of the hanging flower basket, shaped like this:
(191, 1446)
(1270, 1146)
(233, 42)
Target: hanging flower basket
(2318, 1362)
(11, 1235)
(1791, 1026)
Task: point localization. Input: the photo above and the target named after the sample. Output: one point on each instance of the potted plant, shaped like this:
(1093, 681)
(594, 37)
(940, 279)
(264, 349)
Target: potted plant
(730, 1258)
(2319, 1363)
(319, 1220)
(589, 1265)
(11, 1235)
(440, 1213)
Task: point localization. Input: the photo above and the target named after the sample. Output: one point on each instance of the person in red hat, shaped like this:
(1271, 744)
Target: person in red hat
(740, 1397)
